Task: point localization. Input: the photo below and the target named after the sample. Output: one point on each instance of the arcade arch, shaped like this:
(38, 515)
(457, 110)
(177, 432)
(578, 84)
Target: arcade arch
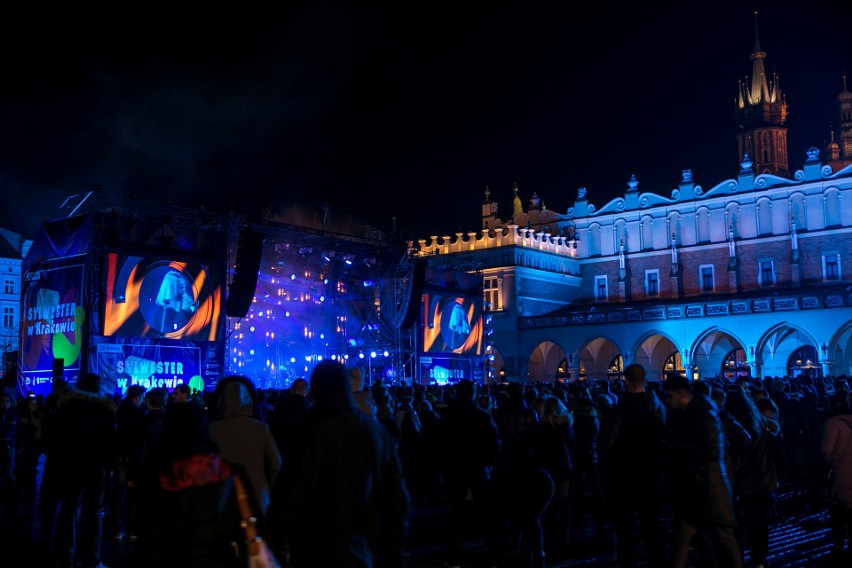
(658, 354)
(545, 361)
(776, 348)
(711, 351)
(840, 351)
(597, 357)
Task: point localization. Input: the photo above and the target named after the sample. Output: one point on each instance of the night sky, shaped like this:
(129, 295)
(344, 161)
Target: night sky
(396, 108)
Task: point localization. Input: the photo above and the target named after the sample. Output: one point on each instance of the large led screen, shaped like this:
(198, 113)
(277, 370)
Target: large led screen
(452, 324)
(155, 296)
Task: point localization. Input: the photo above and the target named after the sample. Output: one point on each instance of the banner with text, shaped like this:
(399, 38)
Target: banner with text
(122, 362)
(52, 326)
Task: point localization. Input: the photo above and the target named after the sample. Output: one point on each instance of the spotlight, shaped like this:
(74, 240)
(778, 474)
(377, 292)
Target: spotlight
(348, 258)
(327, 256)
(372, 354)
(292, 277)
(386, 353)
(361, 355)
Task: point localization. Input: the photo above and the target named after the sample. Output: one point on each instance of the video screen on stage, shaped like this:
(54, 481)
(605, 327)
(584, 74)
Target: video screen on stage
(156, 296)
(452, 324)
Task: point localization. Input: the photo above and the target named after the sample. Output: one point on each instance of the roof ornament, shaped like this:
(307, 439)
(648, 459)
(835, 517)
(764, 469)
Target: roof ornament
(686, 176)
(517, 207)
(633, 183)
(746, 164)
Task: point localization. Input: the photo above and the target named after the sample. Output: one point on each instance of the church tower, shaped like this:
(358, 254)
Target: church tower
(840, 151)
(761, 111)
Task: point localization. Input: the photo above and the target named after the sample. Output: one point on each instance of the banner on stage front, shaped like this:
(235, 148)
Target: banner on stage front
(149, 363)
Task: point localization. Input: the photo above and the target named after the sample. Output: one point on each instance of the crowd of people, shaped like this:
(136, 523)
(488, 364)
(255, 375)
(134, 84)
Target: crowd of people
(334, 467)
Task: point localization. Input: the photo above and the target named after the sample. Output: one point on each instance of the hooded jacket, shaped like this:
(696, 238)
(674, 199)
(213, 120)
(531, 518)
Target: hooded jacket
(244, 440)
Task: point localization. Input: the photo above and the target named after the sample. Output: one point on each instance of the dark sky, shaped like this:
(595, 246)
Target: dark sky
(406, 108)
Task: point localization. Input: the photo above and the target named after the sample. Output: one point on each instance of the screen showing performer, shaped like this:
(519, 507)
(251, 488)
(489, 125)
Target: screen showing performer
(452, 324)
(157, 297)
(175, 304)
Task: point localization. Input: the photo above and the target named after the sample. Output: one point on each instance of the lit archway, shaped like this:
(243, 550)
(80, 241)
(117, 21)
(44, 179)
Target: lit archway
(710, 353)
(674, 364)
(616, 368)
(777, 347)
(735, 364)
(804, 360)
(545, 361)
(654, 352)
(839, 351)
(596, 358)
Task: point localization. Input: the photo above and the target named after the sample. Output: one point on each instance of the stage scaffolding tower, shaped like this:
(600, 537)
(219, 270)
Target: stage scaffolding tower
(405, 339)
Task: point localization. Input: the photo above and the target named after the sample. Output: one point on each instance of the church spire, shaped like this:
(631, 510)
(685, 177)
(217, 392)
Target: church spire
(761, 112)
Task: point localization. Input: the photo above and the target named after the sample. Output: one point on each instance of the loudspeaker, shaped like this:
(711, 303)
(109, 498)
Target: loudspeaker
(241, 292)
(410, 305)
(58, 367)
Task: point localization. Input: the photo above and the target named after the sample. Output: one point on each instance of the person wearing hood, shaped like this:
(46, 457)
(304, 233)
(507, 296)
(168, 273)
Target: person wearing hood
(243, 439)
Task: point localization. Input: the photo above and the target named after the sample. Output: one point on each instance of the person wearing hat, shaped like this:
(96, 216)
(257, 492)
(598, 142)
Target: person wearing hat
(701, 492)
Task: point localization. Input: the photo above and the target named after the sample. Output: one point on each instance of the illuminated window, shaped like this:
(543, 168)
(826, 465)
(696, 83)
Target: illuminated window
(652, 282)
(705, 272)
(9, 286)
(616, 367)
(8, 317)
(735, 364)
(491, 292)
(600, 289)
(673, 363)
(831, 266)
(766, 272)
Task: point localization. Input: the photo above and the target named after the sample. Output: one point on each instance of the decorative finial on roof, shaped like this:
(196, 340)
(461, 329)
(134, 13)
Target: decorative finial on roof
(487, 193)
(581, 193)
(686, 176)
(633, 183)
(517, 207)
(746, 164)
(812, 154)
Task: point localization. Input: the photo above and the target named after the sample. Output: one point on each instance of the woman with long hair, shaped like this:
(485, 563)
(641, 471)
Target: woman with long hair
(552, 446)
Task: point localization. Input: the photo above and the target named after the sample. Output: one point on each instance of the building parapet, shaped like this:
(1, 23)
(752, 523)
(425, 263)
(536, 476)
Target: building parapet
(494, 238)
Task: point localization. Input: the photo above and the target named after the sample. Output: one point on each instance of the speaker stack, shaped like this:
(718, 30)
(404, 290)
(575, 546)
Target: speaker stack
(241, 291)
(409, 305)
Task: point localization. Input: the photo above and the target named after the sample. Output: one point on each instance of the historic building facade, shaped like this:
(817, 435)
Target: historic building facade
(13, 248)
(749, 276)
